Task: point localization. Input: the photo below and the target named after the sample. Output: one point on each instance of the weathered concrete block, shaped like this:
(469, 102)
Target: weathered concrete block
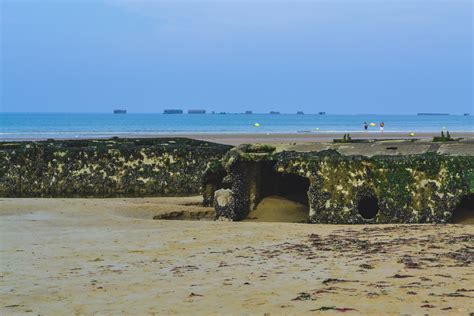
(350, 189)
(109, 167)
(223, 197)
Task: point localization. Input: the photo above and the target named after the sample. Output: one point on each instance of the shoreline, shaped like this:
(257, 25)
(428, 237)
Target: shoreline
(262, 137)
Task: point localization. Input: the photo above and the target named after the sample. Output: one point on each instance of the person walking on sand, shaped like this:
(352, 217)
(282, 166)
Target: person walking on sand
(366, 126)
(382, 125)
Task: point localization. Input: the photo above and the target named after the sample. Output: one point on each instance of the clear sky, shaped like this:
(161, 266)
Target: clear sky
(337, 56)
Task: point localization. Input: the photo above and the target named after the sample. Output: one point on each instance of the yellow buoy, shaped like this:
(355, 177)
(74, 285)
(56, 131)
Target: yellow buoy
(257, 124)
(412, 134)
(372, 124)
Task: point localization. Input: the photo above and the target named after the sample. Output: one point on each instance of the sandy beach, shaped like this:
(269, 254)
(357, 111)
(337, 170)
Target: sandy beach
(272, 138)
(236, 158)
(108, 256)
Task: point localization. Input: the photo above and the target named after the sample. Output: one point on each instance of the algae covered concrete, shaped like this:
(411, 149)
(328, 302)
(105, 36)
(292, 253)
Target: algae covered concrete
(110, 167)
(423, 184)
(372, 181)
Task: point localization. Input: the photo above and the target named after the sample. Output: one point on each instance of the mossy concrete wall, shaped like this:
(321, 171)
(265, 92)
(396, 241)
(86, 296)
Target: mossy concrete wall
(114, 167)
(421, 188)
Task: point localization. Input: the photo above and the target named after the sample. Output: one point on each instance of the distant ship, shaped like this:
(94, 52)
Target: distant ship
(322, 113)
(173, 111)
(433, 114)
(274, 112)
(196, 111)
(248, 112)
(300, 112)
(120, 111)
(466, 114)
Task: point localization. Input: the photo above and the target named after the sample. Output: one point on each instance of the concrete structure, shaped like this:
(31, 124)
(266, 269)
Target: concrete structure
(105, 168)
(377, 182)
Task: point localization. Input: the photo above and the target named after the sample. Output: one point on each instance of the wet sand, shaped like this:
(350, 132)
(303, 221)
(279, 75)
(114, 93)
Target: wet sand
(276, 138)
(304, 137)
(107, 256)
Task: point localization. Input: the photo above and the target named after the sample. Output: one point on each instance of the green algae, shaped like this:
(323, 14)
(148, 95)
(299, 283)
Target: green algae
(422, 188)
(105, 168)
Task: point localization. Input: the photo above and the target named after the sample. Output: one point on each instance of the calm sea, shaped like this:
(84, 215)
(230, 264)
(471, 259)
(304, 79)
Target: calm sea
(63, 125)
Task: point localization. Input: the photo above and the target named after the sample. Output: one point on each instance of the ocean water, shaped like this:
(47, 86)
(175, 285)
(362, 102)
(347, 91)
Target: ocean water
(65, 125)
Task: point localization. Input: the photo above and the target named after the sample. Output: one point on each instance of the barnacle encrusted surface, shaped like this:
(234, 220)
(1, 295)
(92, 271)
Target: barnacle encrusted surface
(109, 167)
(408, 182)
(411, 188)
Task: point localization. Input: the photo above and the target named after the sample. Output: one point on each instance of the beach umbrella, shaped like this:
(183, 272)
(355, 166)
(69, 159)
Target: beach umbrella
(257, 124)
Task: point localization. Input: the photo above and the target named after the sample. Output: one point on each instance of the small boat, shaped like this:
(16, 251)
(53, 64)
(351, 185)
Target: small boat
(120, 111)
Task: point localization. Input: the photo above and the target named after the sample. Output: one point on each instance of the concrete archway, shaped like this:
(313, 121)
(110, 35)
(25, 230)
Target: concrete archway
(282, 197)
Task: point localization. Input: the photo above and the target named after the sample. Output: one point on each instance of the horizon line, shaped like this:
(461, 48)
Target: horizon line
(237, 113)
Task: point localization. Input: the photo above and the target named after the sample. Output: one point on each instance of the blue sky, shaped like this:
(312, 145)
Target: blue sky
(336, 56)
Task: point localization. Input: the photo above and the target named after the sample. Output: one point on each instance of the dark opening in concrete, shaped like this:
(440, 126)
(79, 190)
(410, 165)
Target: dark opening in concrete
(368, 207)
(281, 197)
(288, 185)
(293, 187)
(464, 212)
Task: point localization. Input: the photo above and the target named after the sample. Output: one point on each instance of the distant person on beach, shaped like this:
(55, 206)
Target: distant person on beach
(382, 125)
(366, 126)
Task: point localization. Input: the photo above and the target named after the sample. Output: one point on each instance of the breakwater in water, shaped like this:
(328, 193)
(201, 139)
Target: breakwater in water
(105, 168)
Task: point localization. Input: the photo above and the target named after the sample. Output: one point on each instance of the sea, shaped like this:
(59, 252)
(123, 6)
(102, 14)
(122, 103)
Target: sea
(87, 125)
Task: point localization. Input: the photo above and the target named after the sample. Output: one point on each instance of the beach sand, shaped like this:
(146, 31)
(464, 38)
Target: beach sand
(272, 138)
(107, 256)
(276, 138)
(278, 209)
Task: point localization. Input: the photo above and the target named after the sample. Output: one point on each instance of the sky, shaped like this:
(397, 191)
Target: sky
(339, 56)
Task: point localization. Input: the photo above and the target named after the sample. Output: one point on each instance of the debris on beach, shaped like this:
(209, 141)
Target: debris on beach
(333, 308)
